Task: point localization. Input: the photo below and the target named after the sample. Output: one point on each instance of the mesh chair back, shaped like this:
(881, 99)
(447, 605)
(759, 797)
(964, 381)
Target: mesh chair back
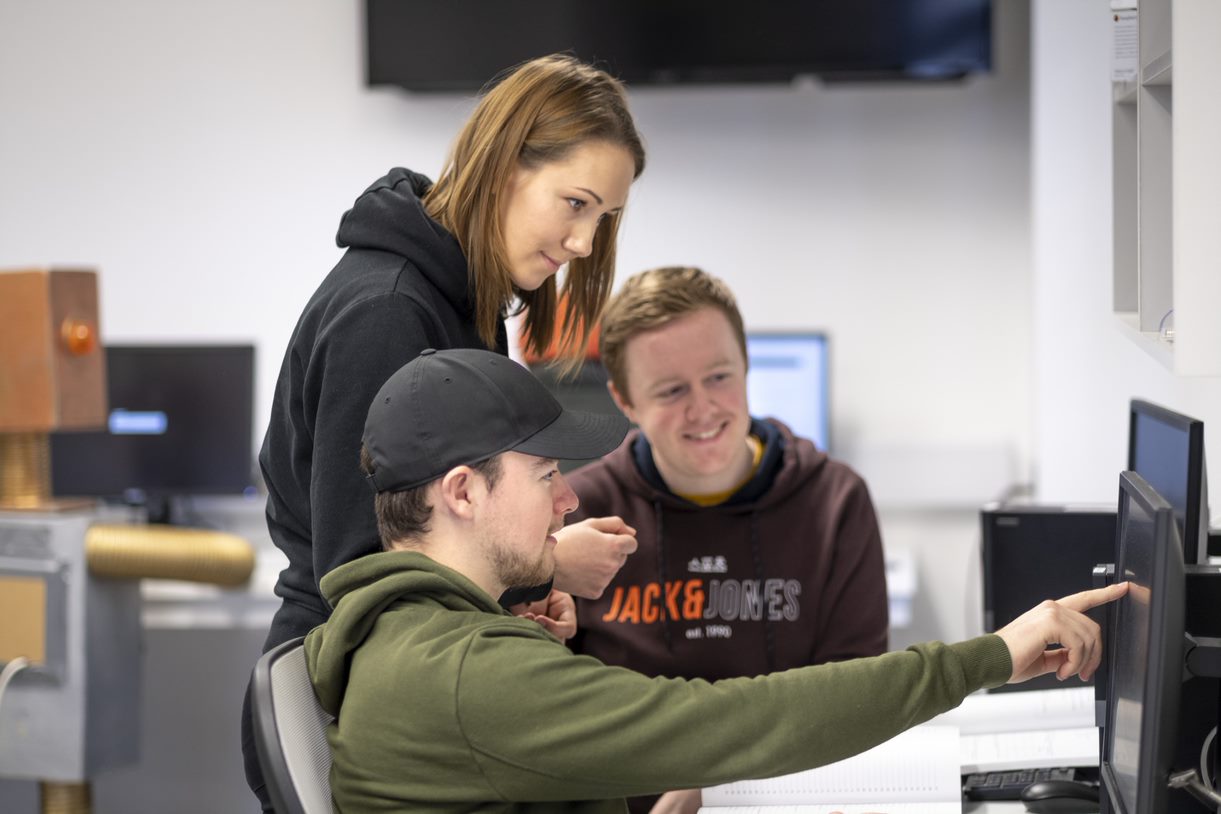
(290, 732)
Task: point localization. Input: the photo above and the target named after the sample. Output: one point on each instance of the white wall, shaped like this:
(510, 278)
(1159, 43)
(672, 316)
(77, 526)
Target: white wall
(1085, 369)
(200, 157)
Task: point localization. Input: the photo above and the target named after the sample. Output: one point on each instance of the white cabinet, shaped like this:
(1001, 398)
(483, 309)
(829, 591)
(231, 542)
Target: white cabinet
(1167, 187)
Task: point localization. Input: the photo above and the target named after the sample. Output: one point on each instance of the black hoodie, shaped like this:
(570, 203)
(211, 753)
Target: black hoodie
(401, 286)
(788, 572)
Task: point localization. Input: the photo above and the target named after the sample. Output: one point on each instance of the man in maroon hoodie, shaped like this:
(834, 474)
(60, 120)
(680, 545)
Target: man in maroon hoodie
(756, 551)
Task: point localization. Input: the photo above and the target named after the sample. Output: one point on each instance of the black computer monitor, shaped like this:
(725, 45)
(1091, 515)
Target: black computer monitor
(1146, 660)
(180, 424)
(1167, 449)
(789, 379)
(1032, 552)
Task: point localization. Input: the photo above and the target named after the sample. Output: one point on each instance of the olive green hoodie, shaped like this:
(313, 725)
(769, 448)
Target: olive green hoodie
(446, 703)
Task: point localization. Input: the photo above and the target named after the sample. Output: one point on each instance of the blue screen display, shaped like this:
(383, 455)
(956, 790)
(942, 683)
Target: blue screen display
(788, 380)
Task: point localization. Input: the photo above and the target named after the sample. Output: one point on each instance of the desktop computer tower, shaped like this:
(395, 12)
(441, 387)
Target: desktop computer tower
(1033, 552)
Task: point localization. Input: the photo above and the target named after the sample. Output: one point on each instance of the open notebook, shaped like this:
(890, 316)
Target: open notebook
(1039, 729)
(919, 771)
(913, 773)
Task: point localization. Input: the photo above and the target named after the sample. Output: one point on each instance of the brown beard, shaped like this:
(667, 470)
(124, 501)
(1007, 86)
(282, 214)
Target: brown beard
(513, 570)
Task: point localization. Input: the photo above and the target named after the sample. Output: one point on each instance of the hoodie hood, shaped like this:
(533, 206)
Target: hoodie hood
(788, 464)
(389, 216)
(367, 587)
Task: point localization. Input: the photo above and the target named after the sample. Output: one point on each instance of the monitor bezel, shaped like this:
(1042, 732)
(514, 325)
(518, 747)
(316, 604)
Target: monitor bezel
(1194, 533)
(1160, 702)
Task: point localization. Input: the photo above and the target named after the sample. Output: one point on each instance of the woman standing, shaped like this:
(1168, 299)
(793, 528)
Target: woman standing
(537, 178)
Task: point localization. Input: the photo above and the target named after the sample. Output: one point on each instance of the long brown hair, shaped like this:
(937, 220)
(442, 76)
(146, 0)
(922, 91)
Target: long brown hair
(537, 113)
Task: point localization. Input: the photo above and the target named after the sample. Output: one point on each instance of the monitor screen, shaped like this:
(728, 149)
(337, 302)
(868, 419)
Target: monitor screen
(1167, 449)
(180, 423)
(788, 379)
(1146, 660)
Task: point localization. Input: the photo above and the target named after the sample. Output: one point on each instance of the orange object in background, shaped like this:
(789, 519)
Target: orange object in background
(52, 370)
(556, 348)
(553, 350)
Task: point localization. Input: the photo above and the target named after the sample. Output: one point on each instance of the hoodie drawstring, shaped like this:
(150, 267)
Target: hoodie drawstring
(769, 632)
(661, 575)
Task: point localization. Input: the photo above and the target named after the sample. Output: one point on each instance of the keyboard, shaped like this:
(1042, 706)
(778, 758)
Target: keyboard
(1008, 785)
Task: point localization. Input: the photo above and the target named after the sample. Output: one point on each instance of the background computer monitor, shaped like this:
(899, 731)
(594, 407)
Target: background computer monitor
(180, 424)
(1167, 449)
(789, 379)
(1146, 664)
(1032, 552)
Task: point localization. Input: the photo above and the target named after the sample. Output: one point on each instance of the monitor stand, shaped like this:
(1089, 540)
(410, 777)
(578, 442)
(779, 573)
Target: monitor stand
(1200, 705)
(163, 510)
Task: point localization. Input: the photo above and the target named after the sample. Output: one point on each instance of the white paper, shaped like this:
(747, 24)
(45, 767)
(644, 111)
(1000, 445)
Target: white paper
(988, 713)
(920, 765)
(889, 808)
(1047, 749)
(1124, 46)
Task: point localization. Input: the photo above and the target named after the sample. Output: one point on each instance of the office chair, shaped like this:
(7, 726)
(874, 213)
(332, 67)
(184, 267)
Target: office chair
(290, 732)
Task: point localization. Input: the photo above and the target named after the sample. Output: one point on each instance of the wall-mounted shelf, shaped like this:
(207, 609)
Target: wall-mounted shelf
(1149, 341)
(1167, 188)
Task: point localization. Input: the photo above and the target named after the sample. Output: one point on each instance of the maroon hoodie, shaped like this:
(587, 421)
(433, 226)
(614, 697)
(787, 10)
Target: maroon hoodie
(787, 572)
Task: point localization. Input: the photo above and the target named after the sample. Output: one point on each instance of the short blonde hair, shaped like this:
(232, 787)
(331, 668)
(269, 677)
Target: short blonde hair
(537, 113)
(654, 298)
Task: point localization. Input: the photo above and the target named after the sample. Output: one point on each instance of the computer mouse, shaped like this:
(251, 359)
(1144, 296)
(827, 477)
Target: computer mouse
(1061, 797)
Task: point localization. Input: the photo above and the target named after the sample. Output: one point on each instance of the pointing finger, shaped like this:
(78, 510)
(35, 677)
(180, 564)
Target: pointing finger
(1085, 600)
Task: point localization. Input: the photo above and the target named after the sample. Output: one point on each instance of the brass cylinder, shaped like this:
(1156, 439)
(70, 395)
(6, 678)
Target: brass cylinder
(66, 798)
(165, 552)
(25, 469)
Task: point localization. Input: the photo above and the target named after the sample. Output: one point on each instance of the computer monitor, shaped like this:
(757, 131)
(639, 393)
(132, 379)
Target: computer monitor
(1146, 660)
(1032, 552)
(180, 423)
(1167, 449)
(789, 379)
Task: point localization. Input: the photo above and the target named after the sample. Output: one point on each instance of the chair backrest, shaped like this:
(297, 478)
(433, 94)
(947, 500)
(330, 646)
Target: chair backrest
(290, 732)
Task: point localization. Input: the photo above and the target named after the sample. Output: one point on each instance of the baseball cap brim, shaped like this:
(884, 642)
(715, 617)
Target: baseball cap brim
(576, 435)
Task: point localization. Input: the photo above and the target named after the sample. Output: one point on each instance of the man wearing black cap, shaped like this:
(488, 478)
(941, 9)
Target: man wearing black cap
(446, 702)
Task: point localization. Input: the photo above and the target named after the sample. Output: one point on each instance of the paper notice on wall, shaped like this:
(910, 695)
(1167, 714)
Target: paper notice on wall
(1125, 50)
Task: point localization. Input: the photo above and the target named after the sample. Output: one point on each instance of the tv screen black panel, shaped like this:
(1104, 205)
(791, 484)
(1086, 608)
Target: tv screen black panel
(1146, 661)
(789, 379)
(1167, 449)
(180, 423)
(461, 44)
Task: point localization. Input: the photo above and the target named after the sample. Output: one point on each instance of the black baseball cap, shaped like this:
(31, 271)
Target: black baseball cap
(446, 408)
